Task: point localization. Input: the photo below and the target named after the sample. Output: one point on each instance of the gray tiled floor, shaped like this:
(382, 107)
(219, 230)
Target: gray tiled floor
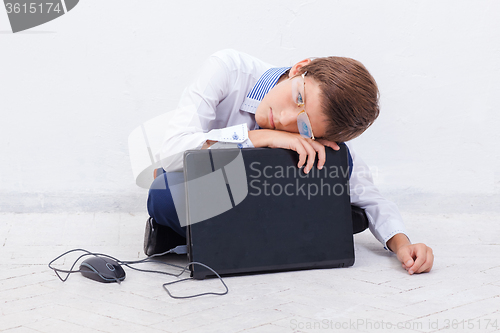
(376, 294)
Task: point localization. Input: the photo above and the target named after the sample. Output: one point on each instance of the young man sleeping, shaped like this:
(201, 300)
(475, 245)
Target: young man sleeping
(315, 103)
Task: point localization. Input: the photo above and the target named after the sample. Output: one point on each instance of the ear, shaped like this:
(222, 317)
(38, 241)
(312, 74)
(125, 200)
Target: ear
(295, 68)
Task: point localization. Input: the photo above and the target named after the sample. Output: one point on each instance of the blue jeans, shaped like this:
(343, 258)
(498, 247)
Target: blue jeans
(161, 204)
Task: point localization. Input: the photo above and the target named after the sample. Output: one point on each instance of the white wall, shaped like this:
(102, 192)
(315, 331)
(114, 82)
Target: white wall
(72, 90)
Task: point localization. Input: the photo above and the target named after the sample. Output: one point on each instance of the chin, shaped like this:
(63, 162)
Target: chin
(264, 125)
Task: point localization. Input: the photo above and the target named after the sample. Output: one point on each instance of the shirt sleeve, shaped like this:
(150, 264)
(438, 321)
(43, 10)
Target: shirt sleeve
(191, 121)
(383, 215)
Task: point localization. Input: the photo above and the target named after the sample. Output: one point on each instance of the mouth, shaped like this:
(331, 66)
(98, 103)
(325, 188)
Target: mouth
(271, 119)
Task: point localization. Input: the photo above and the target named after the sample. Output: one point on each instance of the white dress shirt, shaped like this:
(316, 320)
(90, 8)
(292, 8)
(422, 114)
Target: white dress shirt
(225, 95)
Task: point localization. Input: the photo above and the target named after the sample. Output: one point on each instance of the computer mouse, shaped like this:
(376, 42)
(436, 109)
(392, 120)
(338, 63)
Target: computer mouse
(102, 269)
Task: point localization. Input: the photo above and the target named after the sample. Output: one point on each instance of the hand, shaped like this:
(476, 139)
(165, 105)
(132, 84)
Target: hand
(416, 258)
(306, 148)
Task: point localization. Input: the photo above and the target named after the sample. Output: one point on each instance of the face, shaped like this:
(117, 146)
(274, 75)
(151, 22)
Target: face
(279, 111)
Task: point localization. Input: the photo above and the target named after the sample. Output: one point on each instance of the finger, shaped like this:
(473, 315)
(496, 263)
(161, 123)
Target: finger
(320, 149)
(405, 257)
(426, 267)
(311, 156)
(421, 257)
(299, 148)
(330, 144)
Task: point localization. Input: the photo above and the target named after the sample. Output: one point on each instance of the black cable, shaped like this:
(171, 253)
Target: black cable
(57, 270)
(196, 295)
(178, 249)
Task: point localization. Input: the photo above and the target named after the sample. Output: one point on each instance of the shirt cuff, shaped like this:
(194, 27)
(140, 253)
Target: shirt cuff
(226, 145)
(246, 144)
(234, 134)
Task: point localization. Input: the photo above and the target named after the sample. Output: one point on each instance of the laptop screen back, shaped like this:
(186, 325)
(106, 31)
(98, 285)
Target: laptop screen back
(253, 210)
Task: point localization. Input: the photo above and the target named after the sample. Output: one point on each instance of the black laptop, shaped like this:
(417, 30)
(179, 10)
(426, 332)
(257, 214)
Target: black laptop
(253, 211)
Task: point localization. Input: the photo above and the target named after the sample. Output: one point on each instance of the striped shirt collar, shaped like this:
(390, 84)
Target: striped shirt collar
(265, 83)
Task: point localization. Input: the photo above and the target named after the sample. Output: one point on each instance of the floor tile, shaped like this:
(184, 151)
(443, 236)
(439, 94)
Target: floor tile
(462, 289)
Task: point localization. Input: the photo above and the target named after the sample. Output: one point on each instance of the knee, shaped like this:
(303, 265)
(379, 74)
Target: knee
(160, 183)
(158, 192)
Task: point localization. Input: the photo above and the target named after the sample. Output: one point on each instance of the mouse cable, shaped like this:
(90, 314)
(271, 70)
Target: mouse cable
(190, 278)
(179, 249)
(184, 269)
(120, 262)
(57, 270)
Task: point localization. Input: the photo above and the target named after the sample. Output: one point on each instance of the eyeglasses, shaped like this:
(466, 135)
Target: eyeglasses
(299, 98)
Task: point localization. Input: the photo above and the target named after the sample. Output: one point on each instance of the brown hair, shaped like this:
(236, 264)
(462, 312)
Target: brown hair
(350, 96)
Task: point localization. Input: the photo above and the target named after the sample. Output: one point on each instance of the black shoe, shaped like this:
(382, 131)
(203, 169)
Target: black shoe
(359, 219)
(159, 238)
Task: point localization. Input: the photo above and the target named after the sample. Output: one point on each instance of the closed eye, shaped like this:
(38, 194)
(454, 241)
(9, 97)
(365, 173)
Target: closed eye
(300, 99)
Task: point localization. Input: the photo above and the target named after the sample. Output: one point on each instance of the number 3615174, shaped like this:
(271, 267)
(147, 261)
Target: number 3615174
(32, 8)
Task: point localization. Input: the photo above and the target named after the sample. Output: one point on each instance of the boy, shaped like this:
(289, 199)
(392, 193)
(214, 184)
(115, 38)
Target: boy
(313, 104)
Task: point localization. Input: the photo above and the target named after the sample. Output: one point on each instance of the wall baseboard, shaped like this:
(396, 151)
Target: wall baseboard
(407, 201)
(433, 203)
(72, 202)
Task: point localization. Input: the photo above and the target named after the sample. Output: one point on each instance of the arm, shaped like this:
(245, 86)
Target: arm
(384, 218)
(385, 221)
(212, 101)
(195, 114)
(306, 148)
